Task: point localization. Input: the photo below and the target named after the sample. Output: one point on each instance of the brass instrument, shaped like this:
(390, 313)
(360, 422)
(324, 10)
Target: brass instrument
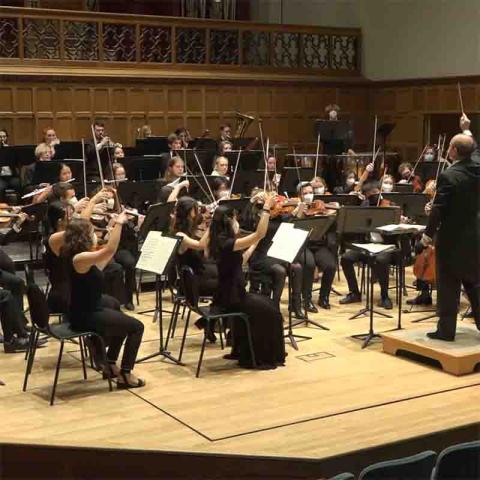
(243, 121)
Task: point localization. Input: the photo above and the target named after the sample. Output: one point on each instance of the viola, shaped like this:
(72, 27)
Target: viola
(317, 207)
(284, 206)
(424, 267)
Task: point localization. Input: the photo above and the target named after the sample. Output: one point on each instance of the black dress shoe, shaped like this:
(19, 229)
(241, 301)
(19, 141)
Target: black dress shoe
(16, 345)
(298, 314)
(385, 303)
(129, 306)
(437, 336)
(422, 299)
(310, 307)
(324, 303)
(351, 298)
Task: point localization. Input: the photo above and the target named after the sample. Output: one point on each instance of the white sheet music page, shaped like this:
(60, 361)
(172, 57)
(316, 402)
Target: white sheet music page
(374, 247)
(287, 242)
(156, 252)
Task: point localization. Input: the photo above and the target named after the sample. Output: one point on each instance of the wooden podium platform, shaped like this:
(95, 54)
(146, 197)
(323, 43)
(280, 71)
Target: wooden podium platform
(459, 357)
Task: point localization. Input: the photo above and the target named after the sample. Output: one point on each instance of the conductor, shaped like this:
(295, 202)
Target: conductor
(455, 223)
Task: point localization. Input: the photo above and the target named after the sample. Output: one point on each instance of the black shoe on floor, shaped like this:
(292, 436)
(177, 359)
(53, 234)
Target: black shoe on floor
(310, 307)
(385, 303)
(422, 299)
(351, 298)
(129, 306)
(298, 314)
(324, 303)
(437, 336)
(16, 345)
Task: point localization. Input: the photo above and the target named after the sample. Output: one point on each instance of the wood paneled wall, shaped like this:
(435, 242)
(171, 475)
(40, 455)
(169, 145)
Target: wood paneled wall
(288, 112)
(410, 104)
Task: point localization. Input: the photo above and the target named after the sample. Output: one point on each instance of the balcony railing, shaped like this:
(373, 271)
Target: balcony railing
(67, 38)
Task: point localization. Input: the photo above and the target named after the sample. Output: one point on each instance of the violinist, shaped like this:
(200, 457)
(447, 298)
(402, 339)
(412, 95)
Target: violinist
(266, 273)
(43, 153)
(175, 187)
(407, 176)
(321, 254)
(455, 223)
(382, 261)
(266, 323)
(348, 185)
(429, 155)
(225, 147)
(388, 183)
(185, 221)
(273, 177)
(221, 188)
(319, 186)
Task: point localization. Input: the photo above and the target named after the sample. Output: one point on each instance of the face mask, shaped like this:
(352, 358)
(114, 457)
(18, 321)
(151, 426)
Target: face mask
(428, 157)
(320, 190)
(333, 115)
(373, 200)
(111, 203)
(73, 201)
(350, 182)
(223, 194)
(308, 197)
(406, 174)
(387, 187)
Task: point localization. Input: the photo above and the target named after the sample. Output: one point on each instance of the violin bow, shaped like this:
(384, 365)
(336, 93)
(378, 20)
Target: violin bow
(204, 176)
(296, 165)
(416, 163)
(374, 138)
(381, 185)
(99, 163)
(266, 167)
(260, 127)
(84, 168)
(235, 171)
(316, 156)
(190, 173)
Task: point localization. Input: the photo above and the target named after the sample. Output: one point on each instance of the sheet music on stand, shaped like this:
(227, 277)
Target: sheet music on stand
(287, 242)
(157, 252)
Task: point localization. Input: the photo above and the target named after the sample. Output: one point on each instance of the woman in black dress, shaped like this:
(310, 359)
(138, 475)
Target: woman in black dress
(86, 311)
(265, 318)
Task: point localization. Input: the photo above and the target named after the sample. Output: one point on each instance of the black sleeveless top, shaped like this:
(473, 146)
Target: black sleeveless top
(231, 281)
(193, 259)
(85, 294)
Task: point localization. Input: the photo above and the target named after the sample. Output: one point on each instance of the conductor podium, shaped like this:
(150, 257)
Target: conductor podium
(458, 358)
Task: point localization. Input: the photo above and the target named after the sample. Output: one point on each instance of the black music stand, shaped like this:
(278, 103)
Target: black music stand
(237, 204)
(335, 135)
(250, 160)
(69, 149)
(46, 172)
(291, 176)
(190, 156)
(144, 168)
(403, 188)
(428, 170)
(138, 194)
(342, 199)
(364, 220)
(411, 204)
(318, 228)
(246, 180)
(152, 145)
(158, 311)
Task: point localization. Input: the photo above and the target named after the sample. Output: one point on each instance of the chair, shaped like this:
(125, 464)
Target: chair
(189, 284)
(460, 461)
(343, 476)
(416, 467)
(61, 332)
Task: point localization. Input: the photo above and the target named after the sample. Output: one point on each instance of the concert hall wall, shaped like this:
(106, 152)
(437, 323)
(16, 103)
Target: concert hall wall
(288, 111)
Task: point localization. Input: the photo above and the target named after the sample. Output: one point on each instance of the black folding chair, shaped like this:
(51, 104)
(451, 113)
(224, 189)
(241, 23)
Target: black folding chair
(189, 283)
(61, 332)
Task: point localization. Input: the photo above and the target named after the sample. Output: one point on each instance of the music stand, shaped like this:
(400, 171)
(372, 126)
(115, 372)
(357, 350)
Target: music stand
(152, 145)
(237, 204)
(46, 172)
(143, 168)
(364, 220)
(167, 247)
(428, 170)
(250, 160)
(411, 204)
(403, 188)
(138, 194)
(342, 199)
(246, 181)
(318, 228)
(291, 176)
(157, 218)
(69, 149)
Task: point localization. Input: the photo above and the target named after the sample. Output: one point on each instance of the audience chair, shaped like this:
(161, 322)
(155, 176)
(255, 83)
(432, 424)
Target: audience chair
(460, 461)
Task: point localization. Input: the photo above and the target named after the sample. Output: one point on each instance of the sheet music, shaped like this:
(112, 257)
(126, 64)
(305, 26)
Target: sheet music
(156, 253)
(287, 242)
(374, 247)
(401, 227)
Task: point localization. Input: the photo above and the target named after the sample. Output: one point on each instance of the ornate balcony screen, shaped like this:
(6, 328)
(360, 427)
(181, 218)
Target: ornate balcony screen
(141, 41)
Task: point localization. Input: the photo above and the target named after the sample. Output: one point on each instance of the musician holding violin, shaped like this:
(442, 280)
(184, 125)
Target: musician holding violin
(454, 222)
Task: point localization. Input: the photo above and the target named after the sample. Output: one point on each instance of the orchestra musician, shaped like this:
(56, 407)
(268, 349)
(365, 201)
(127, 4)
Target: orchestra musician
(225, 132)
(407, 176)
(78, 245)
(230, 252)
(174, 145)
(145, 131)
(3, 138)
(224, 147)
(220, 168)
(184, 136)
(43, 153)
(9, 177)
(102, 143)
(454, 222)
(319, 186)
(348, 184)
(175, 187)
(50, 138)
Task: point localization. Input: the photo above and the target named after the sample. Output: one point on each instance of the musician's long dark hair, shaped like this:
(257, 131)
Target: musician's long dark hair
(78, 238)
(221, 230)
(182, 220)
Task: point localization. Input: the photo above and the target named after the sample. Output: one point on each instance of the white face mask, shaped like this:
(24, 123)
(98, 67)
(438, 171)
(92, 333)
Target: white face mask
(428, 157)
(333, 115)
(111, 203)
(350, 181)
(223, 194)
(387, 187)
(73, 201)
(308, 197)
(320, 190)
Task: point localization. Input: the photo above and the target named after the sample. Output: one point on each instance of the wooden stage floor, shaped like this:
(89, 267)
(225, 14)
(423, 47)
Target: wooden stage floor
(331, 398)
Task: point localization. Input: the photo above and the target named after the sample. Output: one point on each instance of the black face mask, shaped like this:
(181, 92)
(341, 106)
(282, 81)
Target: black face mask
(373, 200)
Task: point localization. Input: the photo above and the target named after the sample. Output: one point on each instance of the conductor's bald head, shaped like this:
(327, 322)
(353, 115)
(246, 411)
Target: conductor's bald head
(461, 146)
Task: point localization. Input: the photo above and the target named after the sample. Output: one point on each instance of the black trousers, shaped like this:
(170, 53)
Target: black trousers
(12, 183)
(324, 259)
(114, 284)
(127, 260)
(380, 269)
(11, 318)
(450, 278)
(115, 327)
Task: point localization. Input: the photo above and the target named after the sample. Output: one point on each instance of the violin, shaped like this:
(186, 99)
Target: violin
(284, 206)
(317, 207)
